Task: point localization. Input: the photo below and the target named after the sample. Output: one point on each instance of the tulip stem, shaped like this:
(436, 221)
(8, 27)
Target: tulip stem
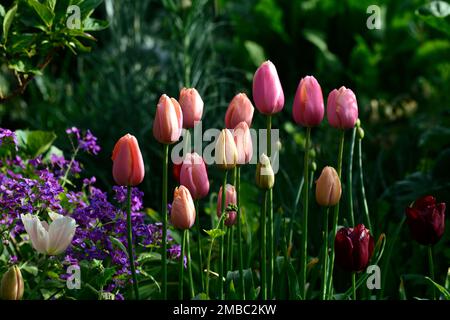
(304, 250)
(164, 216)
(335, 217)
(354, 285)
(181, 265)
(431, 264)
(189, 264)
(222, 239)
(350, 178)
(263, 248)
(270, 237)
(325, 254)
(199, 244)
(239, 232)
(363, 189)
(130, 244)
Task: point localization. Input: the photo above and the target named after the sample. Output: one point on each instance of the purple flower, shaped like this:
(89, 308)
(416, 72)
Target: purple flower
(86, 142)
(7, 136)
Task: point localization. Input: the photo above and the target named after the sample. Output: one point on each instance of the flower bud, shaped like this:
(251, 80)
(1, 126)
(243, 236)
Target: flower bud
(353, 248)
(342, 108)
(230, 198)
(226, 152)
(194, 176)
(328, 188)
(12, 284)
(360, 131)
(182, 215)
(240, 109)
(128, 165)
(308, 109)
(168, 122)
(267, 91)
(192, 106)
(243, 140)
(426, 220)
(265, 178)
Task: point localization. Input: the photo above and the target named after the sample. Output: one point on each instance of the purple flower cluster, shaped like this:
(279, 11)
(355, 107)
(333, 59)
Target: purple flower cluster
(7, 136)
(86, 142)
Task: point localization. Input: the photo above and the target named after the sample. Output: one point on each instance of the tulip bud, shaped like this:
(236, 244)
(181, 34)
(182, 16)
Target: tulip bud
(353, 248)
(308, 109)
(128, 165)
(230, 199)
(426, 220)
(240, 109)
(243, 141)
(226, 152)
(328, 188)
(358, 123)
(342, 108)
(168, 122)
(313, 166)
(194, 176)
(267, 91)
(265, 178)
(182, 215)
(192, 106)
(12, 284)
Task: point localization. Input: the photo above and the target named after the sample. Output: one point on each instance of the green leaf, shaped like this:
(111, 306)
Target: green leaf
(119, 244)
(87, 7)
(434, 14)
(149, 257)
(255, 52)
(215, 233)
(53, 151)
(440, 288)
(201, 296)
(43, 12)
(35, 143)
(91, 24)
(2, 11)
(7, 21)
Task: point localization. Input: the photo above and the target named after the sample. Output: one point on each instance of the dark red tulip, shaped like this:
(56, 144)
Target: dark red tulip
(353, 248)
(176, 170)
(426, 220)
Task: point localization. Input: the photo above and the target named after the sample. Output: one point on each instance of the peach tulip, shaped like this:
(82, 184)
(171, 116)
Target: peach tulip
(168, 122)
(182, 214)
(192, 106)
(240, 109)
(328, 188)
(128, 165)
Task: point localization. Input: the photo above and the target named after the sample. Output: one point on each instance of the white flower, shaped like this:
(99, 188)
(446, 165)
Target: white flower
(50, 239)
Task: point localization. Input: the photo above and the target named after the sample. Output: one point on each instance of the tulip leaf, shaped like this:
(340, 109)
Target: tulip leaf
(444, 291)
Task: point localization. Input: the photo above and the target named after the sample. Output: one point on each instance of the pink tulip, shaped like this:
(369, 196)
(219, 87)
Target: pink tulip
(192, 105)
(267, 91)
(182, 214)
(240, 109)
(342, 108)
(193, 175)
(243, 141)
(308, 107)
(230, 198)
(128, 165)
(168, 120)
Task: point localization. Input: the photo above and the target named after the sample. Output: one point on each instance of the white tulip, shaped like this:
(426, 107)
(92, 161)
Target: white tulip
(50, 239)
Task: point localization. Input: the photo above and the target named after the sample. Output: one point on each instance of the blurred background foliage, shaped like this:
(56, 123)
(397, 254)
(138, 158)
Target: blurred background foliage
(400, 74)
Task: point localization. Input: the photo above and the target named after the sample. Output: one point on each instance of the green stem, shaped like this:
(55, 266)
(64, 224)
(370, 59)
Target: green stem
(239, 232)
(335, 217)
(304, 250)
(222, 239)
(363, 189)
(431, 265)
(130, 245)
(325, 254)
(199, 244)
(270, 237)
(263, 248)
(69, 167)
(354, 285)
(349, 178)
(231, 250)
(189, 265)
(164, 216)
(181, 265)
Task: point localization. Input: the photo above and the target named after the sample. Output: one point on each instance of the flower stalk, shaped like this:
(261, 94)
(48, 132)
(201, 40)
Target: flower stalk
(130, 245)
(164, 216)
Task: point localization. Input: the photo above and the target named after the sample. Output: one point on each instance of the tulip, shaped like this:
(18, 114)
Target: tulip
(265, 178)
(308, 107)
(50, 239)
(168, 122)
(182, 215)
(192, 106)
(230, 198)
(354, 248)
(342, 108)
(226, 152)
(11, 287)
(176, 171)
(267, 91)
(128, 165)
(240, 109)
(193, 175)
(243, 141)
(328, 188)
(426, 220)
